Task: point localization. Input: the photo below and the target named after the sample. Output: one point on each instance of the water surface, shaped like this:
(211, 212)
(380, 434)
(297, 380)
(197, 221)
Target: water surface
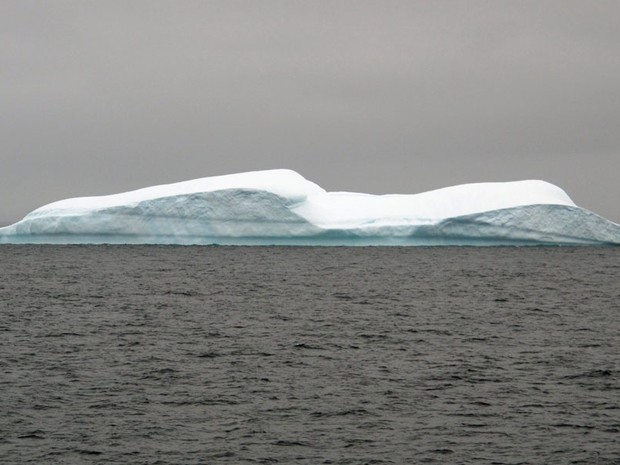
(166, 355)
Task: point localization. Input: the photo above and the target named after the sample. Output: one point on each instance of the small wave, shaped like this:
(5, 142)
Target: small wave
(591, 374)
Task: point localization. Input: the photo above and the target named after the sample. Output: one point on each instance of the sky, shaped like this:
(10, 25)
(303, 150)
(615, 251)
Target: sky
(386, 96)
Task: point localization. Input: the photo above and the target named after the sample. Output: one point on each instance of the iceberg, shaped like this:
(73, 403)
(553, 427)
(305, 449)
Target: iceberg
(281, 207)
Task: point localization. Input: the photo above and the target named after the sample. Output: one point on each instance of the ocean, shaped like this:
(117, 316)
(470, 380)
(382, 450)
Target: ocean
(309, 355)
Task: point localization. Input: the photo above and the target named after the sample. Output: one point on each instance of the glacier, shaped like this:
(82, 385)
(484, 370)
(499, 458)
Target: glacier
(281, 207)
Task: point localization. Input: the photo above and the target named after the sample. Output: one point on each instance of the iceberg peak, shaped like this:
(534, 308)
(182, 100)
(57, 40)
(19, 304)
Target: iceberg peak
(283, 182)
(282, 207)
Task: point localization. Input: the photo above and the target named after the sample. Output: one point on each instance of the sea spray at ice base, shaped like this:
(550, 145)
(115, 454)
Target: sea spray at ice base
(281, 207)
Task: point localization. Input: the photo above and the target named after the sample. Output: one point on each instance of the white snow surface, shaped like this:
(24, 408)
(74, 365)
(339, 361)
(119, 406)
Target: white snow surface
(284, 183)
(338, 209)
(351, 210)
(282, 207)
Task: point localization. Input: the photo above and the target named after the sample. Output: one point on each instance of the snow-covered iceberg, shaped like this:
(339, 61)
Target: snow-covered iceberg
(281, 207)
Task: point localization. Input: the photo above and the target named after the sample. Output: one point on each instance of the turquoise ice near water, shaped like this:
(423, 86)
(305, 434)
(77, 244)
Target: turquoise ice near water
(281, 207)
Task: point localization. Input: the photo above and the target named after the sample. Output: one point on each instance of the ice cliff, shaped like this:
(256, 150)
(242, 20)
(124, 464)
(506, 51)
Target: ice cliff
(281, 207)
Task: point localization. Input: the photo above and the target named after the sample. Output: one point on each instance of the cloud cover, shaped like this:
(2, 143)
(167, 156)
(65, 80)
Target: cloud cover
(376, 96)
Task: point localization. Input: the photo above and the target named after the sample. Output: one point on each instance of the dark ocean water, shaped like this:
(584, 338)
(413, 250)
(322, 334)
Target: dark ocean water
(191, 355)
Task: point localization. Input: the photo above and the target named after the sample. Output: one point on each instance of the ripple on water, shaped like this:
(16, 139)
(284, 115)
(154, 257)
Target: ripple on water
(167, 355)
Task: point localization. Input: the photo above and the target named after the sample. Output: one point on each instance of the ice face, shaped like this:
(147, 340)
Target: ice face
(282, 207)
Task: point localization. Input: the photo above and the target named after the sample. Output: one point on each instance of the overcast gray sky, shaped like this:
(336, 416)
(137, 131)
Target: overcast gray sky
(105, 96)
